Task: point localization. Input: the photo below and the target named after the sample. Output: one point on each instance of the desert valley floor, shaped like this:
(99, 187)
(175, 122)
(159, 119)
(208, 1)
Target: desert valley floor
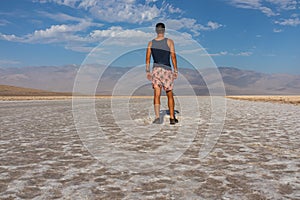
(42, 156)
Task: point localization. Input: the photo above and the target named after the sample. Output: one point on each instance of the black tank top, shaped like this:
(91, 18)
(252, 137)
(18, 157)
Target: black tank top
(160, 52)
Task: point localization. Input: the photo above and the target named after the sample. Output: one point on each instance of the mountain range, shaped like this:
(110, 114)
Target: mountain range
(236, 81)
(8, 90)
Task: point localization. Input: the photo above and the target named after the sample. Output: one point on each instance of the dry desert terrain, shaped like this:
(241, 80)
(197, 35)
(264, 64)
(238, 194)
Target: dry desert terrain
(277, 99)
(53, 150)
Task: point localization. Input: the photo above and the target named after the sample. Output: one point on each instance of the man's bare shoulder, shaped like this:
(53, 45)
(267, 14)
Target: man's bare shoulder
(170, 42)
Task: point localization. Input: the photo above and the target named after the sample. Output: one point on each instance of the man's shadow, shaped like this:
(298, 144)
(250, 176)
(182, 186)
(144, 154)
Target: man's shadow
(164, 113)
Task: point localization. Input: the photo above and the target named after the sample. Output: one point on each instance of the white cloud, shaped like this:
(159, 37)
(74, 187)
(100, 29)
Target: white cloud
(178, 24)
(115, 10)
(172, 9)
(192, 25)
(111, 32)
(12, 37)
(56, 30)
(213, 25)
(246, 53)
(267, 11)
(222, 53)
(58, 33)
(289, 22)
(131, 11)
(151, 1)
(53, 34)
(75, 36)
(70, 3)
(62, 17)
(252, 4)
(5, 63)
(225, 53)
(246, 3)
(266, 6)
(81, 34)
(117, 31)
(119, 11)
(273, 8)
(72, 37)
(284, 4)
(88, 4)
(275, 30)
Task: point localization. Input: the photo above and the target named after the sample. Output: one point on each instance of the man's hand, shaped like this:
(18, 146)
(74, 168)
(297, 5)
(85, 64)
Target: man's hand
(175, 75)
(149, 76)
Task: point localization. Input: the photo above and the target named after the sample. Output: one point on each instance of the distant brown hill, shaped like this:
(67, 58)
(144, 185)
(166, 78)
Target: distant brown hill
(7, 90)
(236, 81)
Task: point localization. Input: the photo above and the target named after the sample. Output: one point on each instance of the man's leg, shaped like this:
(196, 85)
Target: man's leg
(156, 102)
(171, 103)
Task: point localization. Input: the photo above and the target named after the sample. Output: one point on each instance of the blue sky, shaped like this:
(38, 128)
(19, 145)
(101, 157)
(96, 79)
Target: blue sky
(260, 35)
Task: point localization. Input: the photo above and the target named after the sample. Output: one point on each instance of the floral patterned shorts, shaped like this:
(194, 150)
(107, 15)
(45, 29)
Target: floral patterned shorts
(162, 78)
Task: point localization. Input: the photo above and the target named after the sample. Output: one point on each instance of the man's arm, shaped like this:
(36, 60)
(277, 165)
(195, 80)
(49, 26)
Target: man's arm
(148, 57)
(173, 55)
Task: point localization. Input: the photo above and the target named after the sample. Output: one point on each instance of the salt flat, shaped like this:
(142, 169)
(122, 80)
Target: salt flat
(42, 156)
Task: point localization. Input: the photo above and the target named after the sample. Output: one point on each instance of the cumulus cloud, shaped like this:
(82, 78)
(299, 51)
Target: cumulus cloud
(77, 37)
(11, 37)
(74, 37)
(115, 10)
(132, 11)
(56, 30)
(118, 31)
(82, 33)
(55, 33)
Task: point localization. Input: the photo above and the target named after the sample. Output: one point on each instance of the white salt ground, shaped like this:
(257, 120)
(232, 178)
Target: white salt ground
(42, 156)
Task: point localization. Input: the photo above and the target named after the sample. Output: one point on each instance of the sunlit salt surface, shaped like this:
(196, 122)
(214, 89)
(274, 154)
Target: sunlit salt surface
(257, 155)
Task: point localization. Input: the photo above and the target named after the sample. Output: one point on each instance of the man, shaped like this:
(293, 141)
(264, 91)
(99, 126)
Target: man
(162, 49)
